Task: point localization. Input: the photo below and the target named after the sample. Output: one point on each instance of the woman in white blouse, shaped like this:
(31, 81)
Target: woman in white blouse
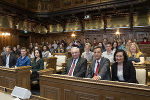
(46, 53)
(123, 70)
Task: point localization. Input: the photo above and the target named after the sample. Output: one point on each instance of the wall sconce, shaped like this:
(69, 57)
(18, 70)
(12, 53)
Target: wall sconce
(118, 34)
(6, 34)
(73, 35)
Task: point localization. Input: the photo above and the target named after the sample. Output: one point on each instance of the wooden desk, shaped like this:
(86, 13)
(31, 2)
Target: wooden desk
(59, 87)
(46, 71)
(10, 77)
(5, 96)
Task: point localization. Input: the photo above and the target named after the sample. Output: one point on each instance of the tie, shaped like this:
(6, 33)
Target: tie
(71, 70)
(97, 69)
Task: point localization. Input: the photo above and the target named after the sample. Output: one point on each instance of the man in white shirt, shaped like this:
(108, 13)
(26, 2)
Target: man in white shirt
(109, 53)
(9, 59)
(100, 67)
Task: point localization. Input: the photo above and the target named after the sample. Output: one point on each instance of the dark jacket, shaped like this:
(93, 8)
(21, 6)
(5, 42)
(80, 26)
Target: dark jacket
(80, 68)
(129, 72)
(103, 71)
(36, 66)
(12, 60)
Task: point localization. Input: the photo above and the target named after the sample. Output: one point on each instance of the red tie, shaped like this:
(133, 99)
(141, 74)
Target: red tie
(97, 69)
(71, 70)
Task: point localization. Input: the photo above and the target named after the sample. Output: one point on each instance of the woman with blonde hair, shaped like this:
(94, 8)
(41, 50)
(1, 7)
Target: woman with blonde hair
(134, 54)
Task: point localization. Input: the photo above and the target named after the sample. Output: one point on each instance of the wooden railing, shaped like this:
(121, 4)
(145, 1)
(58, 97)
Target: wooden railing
(60, 87)
(11, 77)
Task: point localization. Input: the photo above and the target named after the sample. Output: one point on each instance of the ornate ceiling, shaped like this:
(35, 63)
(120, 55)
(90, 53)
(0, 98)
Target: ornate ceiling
(55, 5)
(60, 14)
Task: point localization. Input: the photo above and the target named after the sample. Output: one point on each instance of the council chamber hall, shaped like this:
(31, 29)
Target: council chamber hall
(74, 49)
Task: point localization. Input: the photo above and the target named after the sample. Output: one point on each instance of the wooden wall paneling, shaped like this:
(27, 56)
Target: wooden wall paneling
(11, 40)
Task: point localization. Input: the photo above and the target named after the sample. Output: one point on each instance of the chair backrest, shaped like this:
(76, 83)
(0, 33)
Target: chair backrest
(61, 58)
(141, 75)
(145, 49)
(51, 63)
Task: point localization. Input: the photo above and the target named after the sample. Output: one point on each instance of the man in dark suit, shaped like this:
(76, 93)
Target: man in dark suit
(100, 68)
(9, 59)
(76, 65)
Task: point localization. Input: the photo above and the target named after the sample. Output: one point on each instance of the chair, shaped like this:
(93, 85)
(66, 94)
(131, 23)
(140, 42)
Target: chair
(61, 59)
(51, 63)
(141, 74)
(145, 49)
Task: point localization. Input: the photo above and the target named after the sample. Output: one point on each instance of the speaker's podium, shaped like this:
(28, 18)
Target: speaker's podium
(11, 77)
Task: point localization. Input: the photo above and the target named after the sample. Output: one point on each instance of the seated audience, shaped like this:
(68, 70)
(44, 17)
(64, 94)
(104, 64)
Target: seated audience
(36, 45)
(104, 43)
(51, 48)
(45, 53)
(37, 64)
(123, 70)
(99, 68)
(115, 46)
(9, 59)
(4, 51)
(60, 49)
(135, 41)
(88, 40)
(64, 43)
(14, 50)
(76, 65)
(23, 60)
(69, 47)
(87, 53)
(108, 53)
(100, 44)
(145, 41)
(95, 43)
(18, 50)
(31, 54)
(80, 46)
(135, 55)
(36, 48)
(75, 43)
(31, 47)
(128, 45)
(120, 45)
(55, 45)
